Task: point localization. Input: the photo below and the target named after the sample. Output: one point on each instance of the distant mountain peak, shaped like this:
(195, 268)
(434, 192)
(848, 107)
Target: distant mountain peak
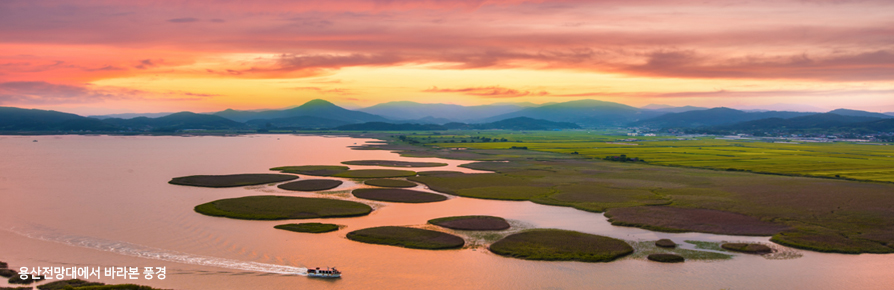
(317, 103)
(655, 106)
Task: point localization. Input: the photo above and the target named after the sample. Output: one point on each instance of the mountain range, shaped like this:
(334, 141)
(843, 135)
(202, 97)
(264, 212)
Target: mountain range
(321, 114)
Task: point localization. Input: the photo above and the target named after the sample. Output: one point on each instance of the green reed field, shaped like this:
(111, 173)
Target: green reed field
(869, 162)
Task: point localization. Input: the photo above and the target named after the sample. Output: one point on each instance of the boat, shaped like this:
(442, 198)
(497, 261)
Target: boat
(327, 273)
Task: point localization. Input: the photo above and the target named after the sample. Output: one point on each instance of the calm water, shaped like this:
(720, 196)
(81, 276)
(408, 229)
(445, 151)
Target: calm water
(104, 201)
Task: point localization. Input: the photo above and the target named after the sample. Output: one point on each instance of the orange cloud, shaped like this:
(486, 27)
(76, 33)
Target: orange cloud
(489, 92)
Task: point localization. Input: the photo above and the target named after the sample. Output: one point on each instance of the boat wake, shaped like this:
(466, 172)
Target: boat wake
(140, 251)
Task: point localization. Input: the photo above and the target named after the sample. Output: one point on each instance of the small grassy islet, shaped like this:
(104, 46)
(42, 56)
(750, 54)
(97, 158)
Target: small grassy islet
(472, 223)
(747, 248)
(375, 173)
(561, 245)
(314, 228)
(389, 183)
(315, 170)
(666, 258)
(394, 163)
(271, 207)
(77, 284)
(232, 180)
(397, 195)
(311, 185)
(407, 237)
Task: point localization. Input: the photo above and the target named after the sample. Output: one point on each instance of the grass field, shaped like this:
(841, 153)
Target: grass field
(841, 159)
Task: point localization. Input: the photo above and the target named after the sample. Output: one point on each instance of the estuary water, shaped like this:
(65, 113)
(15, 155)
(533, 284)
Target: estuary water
(104, 201)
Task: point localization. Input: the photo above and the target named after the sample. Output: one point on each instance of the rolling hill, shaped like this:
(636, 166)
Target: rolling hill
(712, 117)
(405, 110)
(314, 108)
(583, 112)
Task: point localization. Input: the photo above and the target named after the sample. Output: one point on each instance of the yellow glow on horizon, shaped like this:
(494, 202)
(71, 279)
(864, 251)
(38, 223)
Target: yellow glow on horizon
(367, 86)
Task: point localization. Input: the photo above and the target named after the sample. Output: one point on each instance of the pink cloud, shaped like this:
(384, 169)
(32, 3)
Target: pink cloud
(489, 92)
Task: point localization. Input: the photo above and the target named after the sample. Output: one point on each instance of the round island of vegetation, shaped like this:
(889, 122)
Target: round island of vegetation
(561, 245)
(397, 195)
(314, 228)
(666, 258)
(232, 180)
(394, 163)
(311, 185)
(375, 173)
(747, 248)
(315, 170)
(665, 243)
(271, 207)
(407, 237)
(472, 223)
(389, 183)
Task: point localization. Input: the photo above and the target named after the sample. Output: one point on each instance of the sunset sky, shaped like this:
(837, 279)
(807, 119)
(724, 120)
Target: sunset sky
(99, 57)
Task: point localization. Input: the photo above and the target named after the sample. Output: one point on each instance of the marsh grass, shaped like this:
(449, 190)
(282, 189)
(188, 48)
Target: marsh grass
(820, 214)
(561, 245)
(311, 185)
(269, 207)
(394, 163)
(232, 180)
(666, 258)
(407, 237)
(375, 173)
(397, 195)
(314, 228)
(76, 284)
(389, 183)
(646, 248)
(472, 223)
(315, 170)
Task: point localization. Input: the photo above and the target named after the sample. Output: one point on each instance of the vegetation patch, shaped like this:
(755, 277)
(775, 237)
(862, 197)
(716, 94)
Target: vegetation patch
(375, 173)
(747, 248)
(6, 273)
(666, 258)
(438, 172)
(645, 248)
(665, 243)
(269, 207)
(232, 180)
(394, 163)
(315, 170)
(673, 219)
(504, 192)
(314, 228)
(830, 214)
(65, 284)
(561, 245)
(397, 195)
(406, 237)
(389, 183)
(472, 223)
(17, 279)
(311, 185)
(76, 284)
